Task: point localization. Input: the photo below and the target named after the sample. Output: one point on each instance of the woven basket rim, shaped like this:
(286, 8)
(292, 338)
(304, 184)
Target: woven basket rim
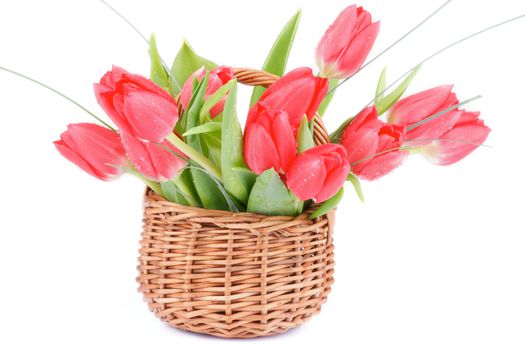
(151, 196)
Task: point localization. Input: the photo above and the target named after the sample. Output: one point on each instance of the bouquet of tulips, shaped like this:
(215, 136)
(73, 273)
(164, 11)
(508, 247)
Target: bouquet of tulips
(180, 134)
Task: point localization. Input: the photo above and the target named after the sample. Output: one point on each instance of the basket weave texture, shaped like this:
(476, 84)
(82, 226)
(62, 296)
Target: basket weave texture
(235, 275)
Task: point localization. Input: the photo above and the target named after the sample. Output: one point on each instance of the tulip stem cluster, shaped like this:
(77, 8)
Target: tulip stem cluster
(195, 156)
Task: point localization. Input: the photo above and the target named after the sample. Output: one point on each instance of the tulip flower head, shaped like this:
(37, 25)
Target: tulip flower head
(420, 106)
(298, 93)
(217, 78)
(346, 44)
(373, 147)
(467, 134)
(269, 140)
(137, 105)
(159, 162)
(94, 148)
(318, 173)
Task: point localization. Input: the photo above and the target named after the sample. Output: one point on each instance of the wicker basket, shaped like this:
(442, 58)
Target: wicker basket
(234, 275)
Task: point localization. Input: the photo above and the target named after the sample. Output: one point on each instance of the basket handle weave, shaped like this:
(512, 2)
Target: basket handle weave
(254, 77)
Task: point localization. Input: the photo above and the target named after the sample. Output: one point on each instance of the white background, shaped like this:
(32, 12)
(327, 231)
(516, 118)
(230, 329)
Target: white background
(435, 259)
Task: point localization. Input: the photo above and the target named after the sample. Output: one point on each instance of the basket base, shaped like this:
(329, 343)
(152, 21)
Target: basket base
(233, 275)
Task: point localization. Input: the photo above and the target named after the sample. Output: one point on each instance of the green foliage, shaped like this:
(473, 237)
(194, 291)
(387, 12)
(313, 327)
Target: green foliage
(383, 104)
(232, 151)
(305, 138)
(278, 56)
(270, 196)
(329, 204)
(357, 186)
(186, 62)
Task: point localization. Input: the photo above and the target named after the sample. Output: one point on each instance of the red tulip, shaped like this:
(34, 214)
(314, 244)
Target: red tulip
(269, 140)
(372, 145)
(346, 44)
(153, 160)
(95, 149)
(468, 134)
(217, 78)
(422, 105)
(297, 93)
(138, 106)
(318, 173)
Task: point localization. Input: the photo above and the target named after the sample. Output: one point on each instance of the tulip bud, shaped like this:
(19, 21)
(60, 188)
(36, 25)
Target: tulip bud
(297, 93)
(467, 134)
(217, 78)
(318, 173)
(269, 141)
(95, 149)
(159, 162)
(420, 106)
(346, 44)
(372, 145)
(136, 105)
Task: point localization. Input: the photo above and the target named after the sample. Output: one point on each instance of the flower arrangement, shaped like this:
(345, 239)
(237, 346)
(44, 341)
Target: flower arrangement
(179, 132)
(238, 223)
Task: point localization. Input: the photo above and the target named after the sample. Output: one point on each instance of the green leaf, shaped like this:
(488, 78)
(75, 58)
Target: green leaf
(329, 204)
(270, 196)
(381, 84)
(209, 192)
(305, 138)
(191, 116)
(215, 98)
(328, 98)
(232, 149)
(157, 71)
(278, 56)
(204, 128)
(384, 104)
(186, 62)
(357, 186)
(246, 176)
(172, 193)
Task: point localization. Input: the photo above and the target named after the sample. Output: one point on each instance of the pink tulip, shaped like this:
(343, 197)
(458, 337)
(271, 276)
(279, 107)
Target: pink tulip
(372, 145)
(269, 140)
(346, 44)
(422, 105)
(95, 149)
(468, 134)
(318, 173)
(297, 93)
(217, 78)
(152, 160)
(136, 105)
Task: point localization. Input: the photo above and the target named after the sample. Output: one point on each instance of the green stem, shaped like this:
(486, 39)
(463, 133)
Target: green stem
(58, 93)
(335, 137)
(195, 156)
(185, 190)
(155, 186)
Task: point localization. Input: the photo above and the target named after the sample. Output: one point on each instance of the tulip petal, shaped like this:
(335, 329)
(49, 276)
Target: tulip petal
(380, 165)
(456, 144)
(416, 107)
(356, 52)
(76, 159)
(284, 140)
(306, 176)
(337, 36)
(151, 117)
(99, 146)
(334, 181)
(260, 152)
